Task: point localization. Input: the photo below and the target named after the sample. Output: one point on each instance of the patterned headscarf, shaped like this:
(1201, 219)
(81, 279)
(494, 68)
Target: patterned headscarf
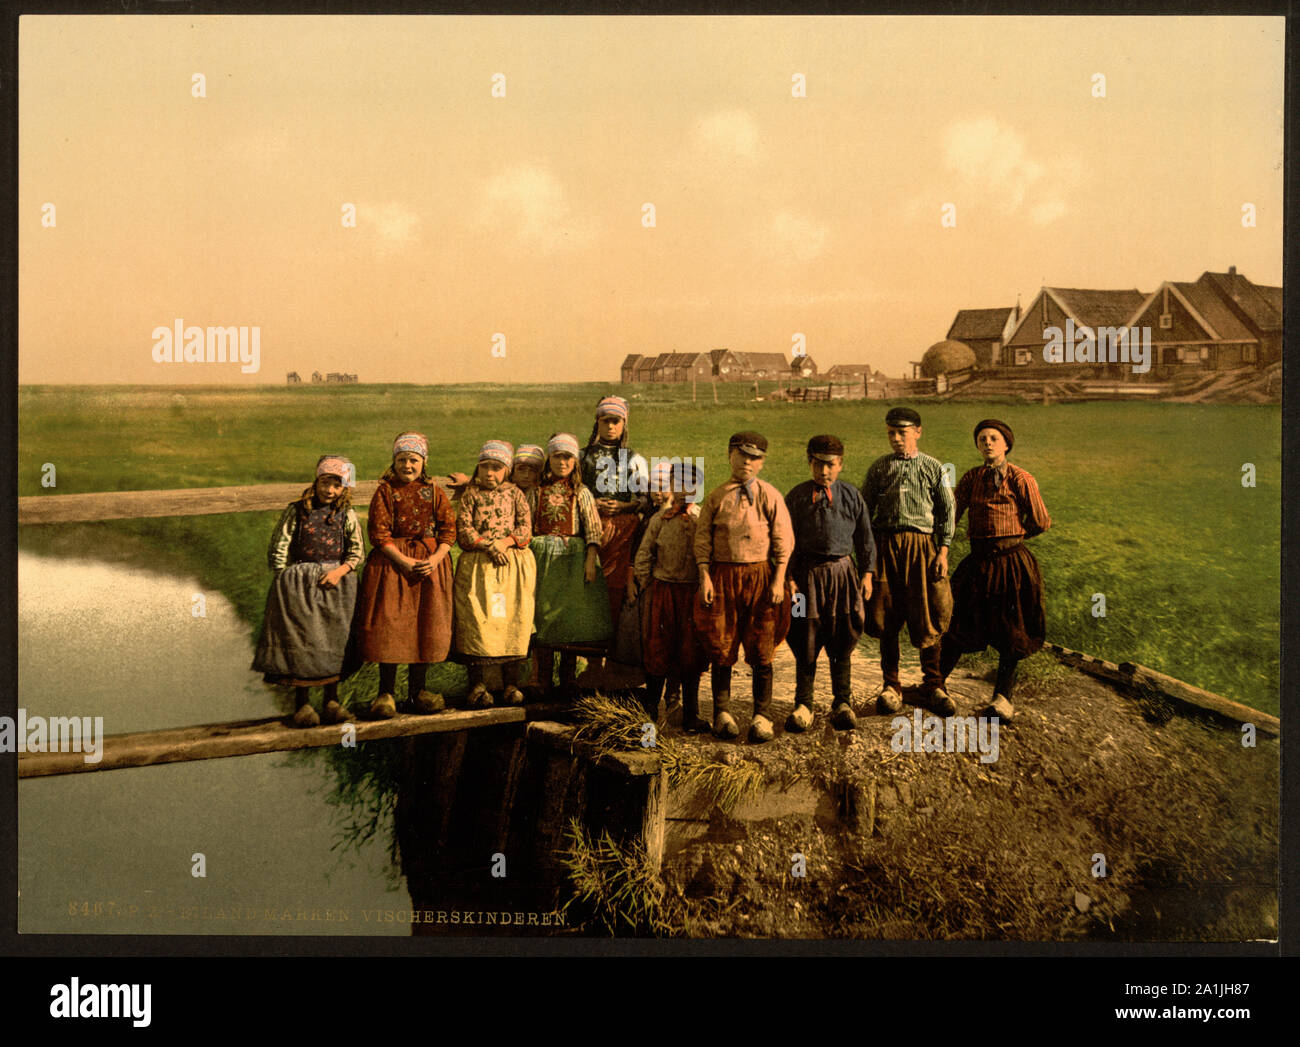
(497, 451)
(562, 443)
(337, 465)
(529, 453)
(416, 443)
(614, 405)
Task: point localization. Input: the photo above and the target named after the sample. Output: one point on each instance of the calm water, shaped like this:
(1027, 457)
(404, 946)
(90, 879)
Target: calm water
(111, 852)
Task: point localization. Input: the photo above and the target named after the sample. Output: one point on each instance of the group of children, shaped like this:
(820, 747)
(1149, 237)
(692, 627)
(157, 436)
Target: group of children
(557, 542)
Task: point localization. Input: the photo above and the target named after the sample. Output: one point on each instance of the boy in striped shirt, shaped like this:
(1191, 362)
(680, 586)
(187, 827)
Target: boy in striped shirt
(912, 518)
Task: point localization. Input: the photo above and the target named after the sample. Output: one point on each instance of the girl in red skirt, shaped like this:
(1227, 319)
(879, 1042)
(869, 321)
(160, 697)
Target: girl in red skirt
(997, 590)
(619, 478)
(666, 573)
(404, 612)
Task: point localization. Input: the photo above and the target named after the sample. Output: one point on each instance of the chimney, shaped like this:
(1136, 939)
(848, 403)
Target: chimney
(1232, 281)
(1017, 306)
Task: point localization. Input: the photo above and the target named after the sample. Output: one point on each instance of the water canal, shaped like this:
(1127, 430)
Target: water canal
(113, 852)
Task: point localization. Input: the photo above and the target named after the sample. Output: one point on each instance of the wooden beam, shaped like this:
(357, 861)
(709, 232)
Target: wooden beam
(1132, 676)
(254, 737)
(192, 501)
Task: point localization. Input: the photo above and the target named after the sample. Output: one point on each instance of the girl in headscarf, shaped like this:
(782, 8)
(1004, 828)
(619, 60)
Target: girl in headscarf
(315, 550)
(405, 606)
(572, 601)
(495, 577)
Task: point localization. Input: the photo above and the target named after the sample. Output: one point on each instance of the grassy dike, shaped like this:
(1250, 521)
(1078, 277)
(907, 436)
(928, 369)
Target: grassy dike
(1147, 500)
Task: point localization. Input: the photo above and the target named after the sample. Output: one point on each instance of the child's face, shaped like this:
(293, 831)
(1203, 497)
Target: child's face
(903, 438)
(562, 463)
(826, 473)
(661, 498)
(610, 427)
(525, 474)
(992, 445)
(744, 467)
(328, 488)
(407, 465)
(491, 475)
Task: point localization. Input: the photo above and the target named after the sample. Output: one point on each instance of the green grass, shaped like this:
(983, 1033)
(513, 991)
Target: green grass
(1146, 499)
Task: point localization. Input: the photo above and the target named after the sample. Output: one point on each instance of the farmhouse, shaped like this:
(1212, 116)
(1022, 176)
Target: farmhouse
(984, 332)
(803, 367)
(627, 373)
(1193, 330)
(1053, 306)
(1221, 322)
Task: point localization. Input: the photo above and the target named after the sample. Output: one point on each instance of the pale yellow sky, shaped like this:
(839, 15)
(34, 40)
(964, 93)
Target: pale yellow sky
(523, 215)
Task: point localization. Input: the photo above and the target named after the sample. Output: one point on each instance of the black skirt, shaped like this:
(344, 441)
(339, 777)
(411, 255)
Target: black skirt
(998, 602)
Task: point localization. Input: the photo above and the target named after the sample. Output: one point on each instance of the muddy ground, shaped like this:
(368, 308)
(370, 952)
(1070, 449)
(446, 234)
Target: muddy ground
(1104, 816)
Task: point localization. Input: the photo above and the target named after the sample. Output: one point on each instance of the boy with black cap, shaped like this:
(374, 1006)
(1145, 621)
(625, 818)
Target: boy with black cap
(997, 590)
(830, 521)
(912, 516)
(743, 541)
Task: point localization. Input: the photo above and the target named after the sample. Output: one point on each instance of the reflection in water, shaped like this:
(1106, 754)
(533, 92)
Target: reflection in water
(114, 851)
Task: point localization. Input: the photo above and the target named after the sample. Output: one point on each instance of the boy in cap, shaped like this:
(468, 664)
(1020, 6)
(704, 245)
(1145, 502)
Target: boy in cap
(998, 589)
(830, 521)
(743, 541)
(912, 516)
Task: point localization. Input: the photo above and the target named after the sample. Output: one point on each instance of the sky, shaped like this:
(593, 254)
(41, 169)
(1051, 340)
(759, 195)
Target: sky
(500, 170)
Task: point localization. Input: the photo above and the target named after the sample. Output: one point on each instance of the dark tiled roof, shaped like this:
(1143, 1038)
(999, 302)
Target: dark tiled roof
(1100, 308)
(1262, 305)
(979, 323)
(1216, 313)
(763, 361)
(631, 360)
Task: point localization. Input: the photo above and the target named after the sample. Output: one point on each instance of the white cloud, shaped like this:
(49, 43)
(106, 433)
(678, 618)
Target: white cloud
(793, 236)
(731, 134)
(389, 226)
(993, 158)
(528, 202)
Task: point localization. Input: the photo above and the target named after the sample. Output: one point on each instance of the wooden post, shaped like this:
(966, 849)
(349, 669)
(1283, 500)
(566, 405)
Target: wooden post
(693, 377)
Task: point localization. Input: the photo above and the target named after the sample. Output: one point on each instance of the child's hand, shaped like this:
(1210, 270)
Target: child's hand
(498, 557)
(706, 590)
(331, 579)
(939, 569)
(866, 587)
(777, 592)
(589, 571)
(608, 506)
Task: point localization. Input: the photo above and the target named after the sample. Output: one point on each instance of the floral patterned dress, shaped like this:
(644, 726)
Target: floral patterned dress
(494, 602)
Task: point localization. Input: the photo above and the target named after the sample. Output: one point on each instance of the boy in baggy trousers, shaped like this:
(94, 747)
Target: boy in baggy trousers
(743, 541)
(912, 518)
(830, 522)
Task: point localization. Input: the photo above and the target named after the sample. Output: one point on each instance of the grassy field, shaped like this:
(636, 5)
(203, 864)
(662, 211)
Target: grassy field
(1147, 500)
